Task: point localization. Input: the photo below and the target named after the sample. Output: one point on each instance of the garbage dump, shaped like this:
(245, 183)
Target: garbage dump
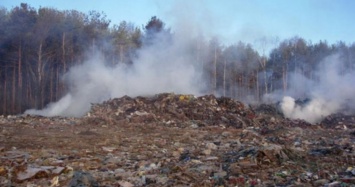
(177, 140)
(174, 110)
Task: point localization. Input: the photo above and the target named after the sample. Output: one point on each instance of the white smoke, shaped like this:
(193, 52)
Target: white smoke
(164, 66)
(332, 93)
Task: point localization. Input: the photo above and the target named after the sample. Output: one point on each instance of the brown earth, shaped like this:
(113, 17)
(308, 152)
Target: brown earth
(176, 140)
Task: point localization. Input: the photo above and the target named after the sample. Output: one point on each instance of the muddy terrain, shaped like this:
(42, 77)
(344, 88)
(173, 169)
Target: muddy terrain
(177, 140)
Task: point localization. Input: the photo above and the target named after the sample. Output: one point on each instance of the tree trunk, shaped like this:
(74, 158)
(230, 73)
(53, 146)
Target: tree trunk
(63, 53)
(20, 66)
(240, 86)
(51, 85)
(19, 77)
(57, 84)
(121, 53)
(257, 86)
(30, 91)
(13, 91)
(214, 82)
(93, 44)
(263, 66)
(39, 64)
(39, 77)
(235, 89)
(265, 82)
(5, 89)
(42, 96)
(28, 98)
(224, 78)
(284, 77)
(198, 51)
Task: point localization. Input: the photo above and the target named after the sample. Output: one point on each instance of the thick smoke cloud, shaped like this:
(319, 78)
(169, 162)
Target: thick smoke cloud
(164, 66)
(333, 92)
(169, 65)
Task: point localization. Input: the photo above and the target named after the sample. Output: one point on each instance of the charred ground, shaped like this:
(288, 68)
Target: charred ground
(176, 140)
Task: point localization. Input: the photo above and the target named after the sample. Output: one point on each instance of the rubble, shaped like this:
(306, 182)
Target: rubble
(176, 140)
(173, 110)
(339, 120)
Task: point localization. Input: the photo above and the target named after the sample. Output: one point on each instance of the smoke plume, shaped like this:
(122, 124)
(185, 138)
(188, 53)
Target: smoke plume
(332, 92)
(163, 66)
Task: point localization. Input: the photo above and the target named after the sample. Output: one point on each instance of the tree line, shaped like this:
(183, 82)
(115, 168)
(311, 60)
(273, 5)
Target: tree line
(38, 46)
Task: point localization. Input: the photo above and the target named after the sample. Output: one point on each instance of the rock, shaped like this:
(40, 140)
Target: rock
(320, 182)
(185, 156)
(211, 146)
(81, 178)
(3, 171)
(235, 169)
(297, 144)
(150, 179)
(272, 153)
(162, 180)
(55, 181)
(220, 174)
(351, 171)
(333, 184)
(226, 133)
(248, 166)
(326, 151)
(176, 154)
(38, 172)
(349, 180)
(210, 158)
(194, 126)
(119, 170)
(181, 149)
(207, 152)
(125, 184)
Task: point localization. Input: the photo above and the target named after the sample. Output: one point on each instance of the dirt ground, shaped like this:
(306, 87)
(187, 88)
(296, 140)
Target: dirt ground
(131, 149)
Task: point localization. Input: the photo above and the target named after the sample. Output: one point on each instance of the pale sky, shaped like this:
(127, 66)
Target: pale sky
(230, 20)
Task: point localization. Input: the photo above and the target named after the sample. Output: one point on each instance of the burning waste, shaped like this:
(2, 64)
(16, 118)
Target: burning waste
(172, 139)
(153, 121)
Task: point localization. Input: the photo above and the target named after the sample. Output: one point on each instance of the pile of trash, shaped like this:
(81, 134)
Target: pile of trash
(339, 120)
(176, 109)
(177, 140)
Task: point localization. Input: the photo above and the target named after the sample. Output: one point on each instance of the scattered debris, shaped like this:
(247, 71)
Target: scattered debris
(176, 140)
(83, 179)
(339, 121)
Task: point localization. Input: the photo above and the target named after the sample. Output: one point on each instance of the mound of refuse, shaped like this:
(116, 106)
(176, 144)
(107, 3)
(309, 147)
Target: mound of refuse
(176, 109)
(177, 140)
